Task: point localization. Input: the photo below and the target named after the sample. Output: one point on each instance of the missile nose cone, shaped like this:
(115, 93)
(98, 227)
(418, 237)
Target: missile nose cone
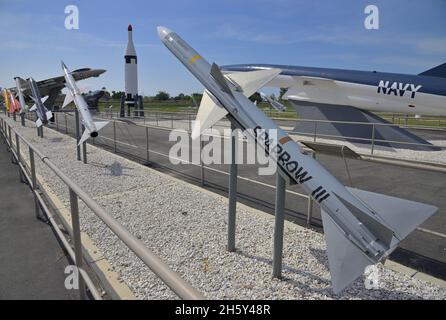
(130, 28)
(163, 32)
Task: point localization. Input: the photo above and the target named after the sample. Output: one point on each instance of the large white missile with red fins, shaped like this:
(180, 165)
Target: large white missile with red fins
(131, 70)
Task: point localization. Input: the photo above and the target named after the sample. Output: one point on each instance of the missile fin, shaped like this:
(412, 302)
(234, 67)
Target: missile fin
(38, 123)
(44, 99)
(401, 215)
(84, 137)
(33, 108)
(251, 81)
(100, 124)
(220, 79)
(49, 115)
(347, 262)
(209, 113)
(68, 99)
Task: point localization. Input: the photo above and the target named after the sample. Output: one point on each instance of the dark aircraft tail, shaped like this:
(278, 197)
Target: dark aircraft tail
(438, 71)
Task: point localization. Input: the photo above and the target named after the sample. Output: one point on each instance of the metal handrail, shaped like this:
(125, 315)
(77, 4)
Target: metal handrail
(182, 288)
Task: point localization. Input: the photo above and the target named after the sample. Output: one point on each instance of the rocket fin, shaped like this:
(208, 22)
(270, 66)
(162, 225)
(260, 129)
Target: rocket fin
(251, 81)
(220, 78)
(84, 137)
(33, 108)
(347, 262)
(44, 99)
(68, 99)
(49, 115)
(38, 123)
(100, 124)
(401, 215)
(209, 113)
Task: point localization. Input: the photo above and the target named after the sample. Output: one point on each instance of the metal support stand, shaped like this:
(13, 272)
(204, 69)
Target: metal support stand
(22, 118)
(141, 106)
(77, 241)
(84, 148)
(14, 116)
(232, 195)
(78, 135)
(310, 203)
(278, 226)
(201, 162)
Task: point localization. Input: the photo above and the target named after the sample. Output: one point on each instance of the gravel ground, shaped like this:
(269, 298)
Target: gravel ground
(186, 227)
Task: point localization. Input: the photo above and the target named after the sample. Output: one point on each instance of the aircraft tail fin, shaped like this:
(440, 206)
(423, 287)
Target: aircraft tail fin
(438, 71)
(399, 216)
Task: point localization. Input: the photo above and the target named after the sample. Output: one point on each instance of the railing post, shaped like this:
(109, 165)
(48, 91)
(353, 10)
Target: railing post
(77, 241)
(310, 204)
(171, 120)
(147, 145)
(56, 120)
(279, 226)
(232, 194)
(114, 136)
(17, 144)
(373, 139)
(34, 181)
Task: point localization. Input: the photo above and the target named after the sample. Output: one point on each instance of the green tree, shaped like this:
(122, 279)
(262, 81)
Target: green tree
(162, 96)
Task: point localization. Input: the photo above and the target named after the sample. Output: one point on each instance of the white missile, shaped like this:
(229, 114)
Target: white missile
(361, 227)
(131, 70)
(74, 94)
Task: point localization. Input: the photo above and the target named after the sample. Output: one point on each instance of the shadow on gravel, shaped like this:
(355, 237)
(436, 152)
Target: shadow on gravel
(355, 291)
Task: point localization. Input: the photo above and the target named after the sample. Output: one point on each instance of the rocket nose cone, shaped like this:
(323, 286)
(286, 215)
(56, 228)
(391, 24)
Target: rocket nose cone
(163, 32)
(130, 28)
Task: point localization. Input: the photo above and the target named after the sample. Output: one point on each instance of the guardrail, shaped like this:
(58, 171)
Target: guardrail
(179, 286)
(172, 119)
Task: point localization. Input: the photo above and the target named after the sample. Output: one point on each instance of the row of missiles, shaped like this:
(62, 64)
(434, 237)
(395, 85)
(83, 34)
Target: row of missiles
(361, 227)
(44, 115)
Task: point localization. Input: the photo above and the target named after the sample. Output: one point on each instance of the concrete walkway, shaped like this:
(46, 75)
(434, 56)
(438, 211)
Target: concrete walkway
(31, 261)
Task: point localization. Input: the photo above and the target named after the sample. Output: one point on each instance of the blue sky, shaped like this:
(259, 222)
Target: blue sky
(411, 38)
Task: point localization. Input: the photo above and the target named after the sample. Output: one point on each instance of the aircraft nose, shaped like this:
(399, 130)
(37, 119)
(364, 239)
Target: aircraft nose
(163, 32)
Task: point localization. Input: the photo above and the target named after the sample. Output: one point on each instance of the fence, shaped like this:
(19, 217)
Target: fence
(27, 171)
(176, 120)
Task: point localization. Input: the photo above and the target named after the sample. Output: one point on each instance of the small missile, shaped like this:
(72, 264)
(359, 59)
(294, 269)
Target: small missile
(361, 227)
(74, 94)
(43, 114)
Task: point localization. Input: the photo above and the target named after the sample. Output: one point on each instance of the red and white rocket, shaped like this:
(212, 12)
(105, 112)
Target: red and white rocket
(131, 70)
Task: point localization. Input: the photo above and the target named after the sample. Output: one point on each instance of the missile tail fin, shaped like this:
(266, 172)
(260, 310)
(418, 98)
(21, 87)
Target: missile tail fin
(401, 215)
(49, 115)
(209, 113)
(38, 123)
(84, 137)
(347, 262)
(101, 124)
(33, 108)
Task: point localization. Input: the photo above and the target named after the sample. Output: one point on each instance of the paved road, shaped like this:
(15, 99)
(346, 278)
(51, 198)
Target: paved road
(425, 249)
(32, 262)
